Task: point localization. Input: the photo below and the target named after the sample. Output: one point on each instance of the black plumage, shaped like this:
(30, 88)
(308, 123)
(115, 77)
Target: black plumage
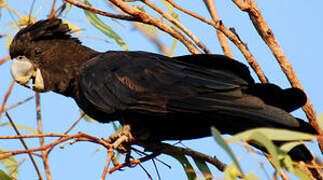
(158, 96)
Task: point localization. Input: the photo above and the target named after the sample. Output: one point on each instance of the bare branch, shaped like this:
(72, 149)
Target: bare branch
(267, 35)
(52, 12)
(19, 103)
(234, 38)
(25, 146)
(6, 97)
(222, 39)
(178, 24)
(4, 59)
(146, 18)
(97, 11)
(44, 154)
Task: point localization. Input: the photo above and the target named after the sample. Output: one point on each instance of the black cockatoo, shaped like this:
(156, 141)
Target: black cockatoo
(160, 97)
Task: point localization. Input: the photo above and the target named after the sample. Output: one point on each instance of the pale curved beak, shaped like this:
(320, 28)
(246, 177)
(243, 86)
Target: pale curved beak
(23, 71)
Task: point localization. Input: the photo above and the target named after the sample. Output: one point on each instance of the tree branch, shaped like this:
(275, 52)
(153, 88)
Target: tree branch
(44, 154)
(103, 13)
(178, 24)
(267, 35)
(6, 97)
(25, 146)
(169, 149)
(234, 38)
(222, 39)
(147, 19)
(4, 59)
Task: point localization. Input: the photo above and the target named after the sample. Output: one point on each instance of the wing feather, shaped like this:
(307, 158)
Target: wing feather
(144, 82)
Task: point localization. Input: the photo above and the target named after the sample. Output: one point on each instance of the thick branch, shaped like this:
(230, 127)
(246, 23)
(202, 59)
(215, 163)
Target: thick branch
(268, 36)
(169, 149)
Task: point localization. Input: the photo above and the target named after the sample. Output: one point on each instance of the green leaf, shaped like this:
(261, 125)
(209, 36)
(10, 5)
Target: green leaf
(231, 172)
(172, 49)
(96, 22)
(88, 119)
(320, 120)
(263, 140)
(251, 176)
(9, 37)
(288, 164)
(116, 126)
(217, 136)
(23, 127)
(286, 147)
(10, 163)
(68, 8)
(72, 26)
(273, 134)
(171, 11)
(190, 172)
(4, 175)
(302, 175)
(203, 167)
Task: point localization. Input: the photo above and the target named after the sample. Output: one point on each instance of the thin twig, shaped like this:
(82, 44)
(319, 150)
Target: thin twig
(70, 128)
(97, 11)
(68, 137)
(52, 12)
(190, 13)
(40, 7)
(107, 163)
(19, 103)
(133, 162)
(75, 123)
(152, 156)
(178, 24)
(60, 10)
(156, 168)
(153, 38)
(16, 166)
(146, 171)
(44, 154)
(6, 97)
(222, 39)
(25, 146)
(282, 173)
(4, 59)
(34, 136)
(11, 9)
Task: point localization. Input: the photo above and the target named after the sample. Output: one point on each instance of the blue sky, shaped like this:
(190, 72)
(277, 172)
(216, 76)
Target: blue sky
(297, 25)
